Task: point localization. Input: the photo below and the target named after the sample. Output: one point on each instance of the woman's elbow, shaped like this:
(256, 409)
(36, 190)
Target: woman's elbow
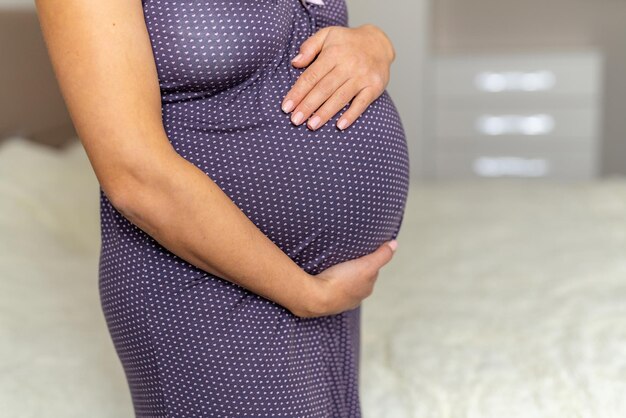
(132, 187)
(122, 193)
(129, 187)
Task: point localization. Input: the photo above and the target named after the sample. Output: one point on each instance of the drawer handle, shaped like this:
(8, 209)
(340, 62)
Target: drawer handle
(493, 125)
(493, 82)
(511, 166)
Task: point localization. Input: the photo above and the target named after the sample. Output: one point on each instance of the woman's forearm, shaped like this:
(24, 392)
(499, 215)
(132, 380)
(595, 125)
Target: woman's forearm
(187, 212)
(104, 62)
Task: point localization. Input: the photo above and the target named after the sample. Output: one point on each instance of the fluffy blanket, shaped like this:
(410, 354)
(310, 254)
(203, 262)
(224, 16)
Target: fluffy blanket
(505, 299)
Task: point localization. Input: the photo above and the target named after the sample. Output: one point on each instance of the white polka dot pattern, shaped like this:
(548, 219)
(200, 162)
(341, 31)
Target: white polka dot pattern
(193, 344)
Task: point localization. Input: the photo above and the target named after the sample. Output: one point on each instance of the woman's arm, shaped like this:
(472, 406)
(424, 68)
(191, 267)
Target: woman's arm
(102, 57)
(103, 61)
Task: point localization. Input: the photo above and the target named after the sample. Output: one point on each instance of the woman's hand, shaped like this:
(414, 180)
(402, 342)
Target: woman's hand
(353, 63)
(344, 286)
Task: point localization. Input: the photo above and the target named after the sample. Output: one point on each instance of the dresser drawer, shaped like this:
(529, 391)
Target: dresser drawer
(540, 123)
(518, 75)
(516, 145)
(562, 166)
(517, 115)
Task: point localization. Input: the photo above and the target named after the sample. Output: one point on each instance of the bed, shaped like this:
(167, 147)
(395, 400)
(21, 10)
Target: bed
(506, 298)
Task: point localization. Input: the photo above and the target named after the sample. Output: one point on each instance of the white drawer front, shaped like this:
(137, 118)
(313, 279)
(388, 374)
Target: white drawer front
(543, 123)
(552, 74)
(564, 166)
(516, 145)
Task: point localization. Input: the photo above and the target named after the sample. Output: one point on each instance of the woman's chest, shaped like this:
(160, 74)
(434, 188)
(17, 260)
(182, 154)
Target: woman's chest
(213, 45)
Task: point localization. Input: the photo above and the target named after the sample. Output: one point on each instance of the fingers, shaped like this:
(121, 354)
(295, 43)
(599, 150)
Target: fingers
(371, 281)
(308, 80)
(360, 102)
(334, 104)
(331, 93)
(310, 48)
(383, 254)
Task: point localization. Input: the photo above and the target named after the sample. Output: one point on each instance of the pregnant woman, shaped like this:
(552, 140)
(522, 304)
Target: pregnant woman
(243, 221)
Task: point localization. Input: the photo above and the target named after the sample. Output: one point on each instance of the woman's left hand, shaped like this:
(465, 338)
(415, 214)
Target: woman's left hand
(353, 63)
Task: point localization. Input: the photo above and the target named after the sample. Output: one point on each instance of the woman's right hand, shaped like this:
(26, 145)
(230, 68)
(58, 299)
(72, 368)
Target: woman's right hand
(344, 286)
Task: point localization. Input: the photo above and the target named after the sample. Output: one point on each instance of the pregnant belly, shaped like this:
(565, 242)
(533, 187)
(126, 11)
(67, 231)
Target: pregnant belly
(322, 196)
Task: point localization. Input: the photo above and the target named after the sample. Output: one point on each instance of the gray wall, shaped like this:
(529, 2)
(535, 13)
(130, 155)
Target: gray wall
(406, 22)
(17, 4)
(510, 25)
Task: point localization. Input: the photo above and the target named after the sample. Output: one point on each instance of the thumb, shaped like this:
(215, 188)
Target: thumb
(310, 48)
(382, 255)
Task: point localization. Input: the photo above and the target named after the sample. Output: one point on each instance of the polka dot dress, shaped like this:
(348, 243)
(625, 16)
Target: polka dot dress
(193, 344)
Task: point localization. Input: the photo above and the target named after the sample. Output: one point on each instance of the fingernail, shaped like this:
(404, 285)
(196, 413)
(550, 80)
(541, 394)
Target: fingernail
(314, 121)
(342, 124)
(288, 106)
(297, 118)
(393, 244)
(296, 58)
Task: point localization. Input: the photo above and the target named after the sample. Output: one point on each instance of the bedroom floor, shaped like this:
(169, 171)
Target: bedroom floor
(505, 298)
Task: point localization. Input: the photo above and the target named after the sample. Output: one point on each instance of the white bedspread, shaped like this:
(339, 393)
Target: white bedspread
(506, 299)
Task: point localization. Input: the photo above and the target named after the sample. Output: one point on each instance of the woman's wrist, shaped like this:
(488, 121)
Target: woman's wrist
(311, 301)
(388, 45)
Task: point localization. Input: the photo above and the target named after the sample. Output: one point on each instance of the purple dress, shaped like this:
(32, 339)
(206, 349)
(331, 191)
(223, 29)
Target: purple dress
(193, 344)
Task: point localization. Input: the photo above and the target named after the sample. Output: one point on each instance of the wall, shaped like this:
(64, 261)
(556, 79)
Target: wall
(510, 25)
(407, 24)
(17, 4)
